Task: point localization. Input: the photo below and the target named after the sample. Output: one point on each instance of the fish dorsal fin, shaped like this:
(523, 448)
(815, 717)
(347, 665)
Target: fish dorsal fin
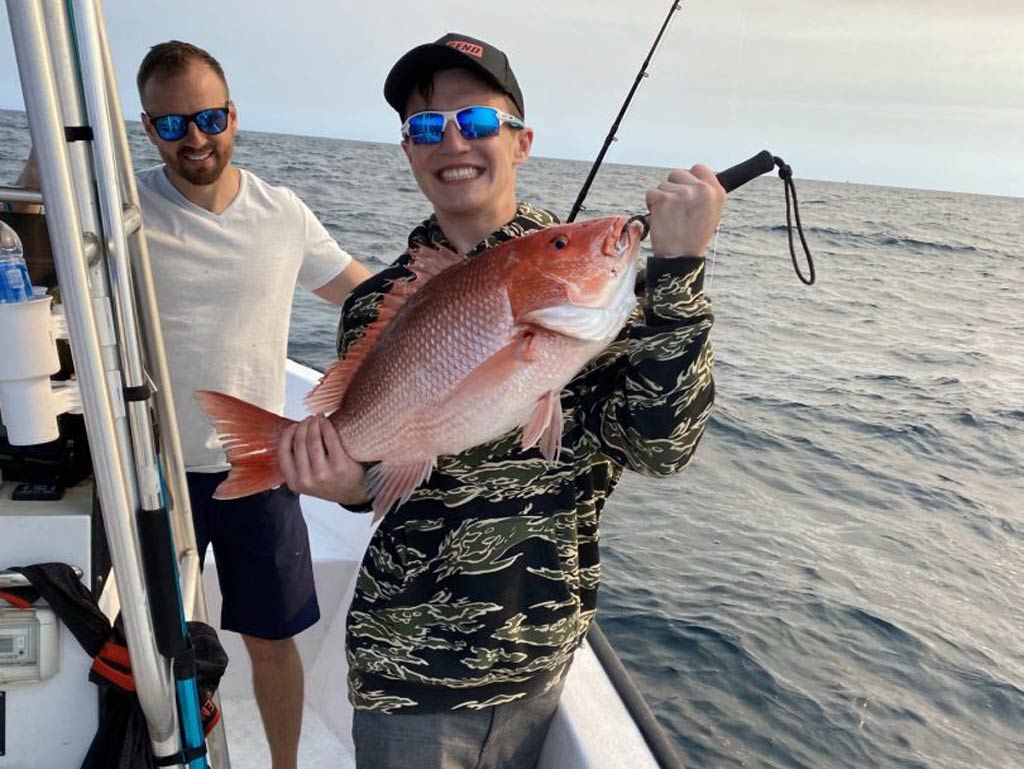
(426, 263)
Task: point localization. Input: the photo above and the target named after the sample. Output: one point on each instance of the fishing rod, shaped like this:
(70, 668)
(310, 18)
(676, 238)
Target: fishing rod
(730, 179)
(618, 118)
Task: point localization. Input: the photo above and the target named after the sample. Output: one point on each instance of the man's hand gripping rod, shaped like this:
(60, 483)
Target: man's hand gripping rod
(741, 173)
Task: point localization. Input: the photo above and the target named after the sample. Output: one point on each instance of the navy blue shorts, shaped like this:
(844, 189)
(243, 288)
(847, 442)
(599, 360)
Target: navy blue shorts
(263, 561)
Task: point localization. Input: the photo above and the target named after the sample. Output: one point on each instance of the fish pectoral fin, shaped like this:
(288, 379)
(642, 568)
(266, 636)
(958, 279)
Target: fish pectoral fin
(389, 483)
(496, 369)
(545, 425)
(523, 346)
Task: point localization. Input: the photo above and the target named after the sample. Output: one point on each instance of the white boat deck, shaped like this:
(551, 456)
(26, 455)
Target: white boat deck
(319, 746)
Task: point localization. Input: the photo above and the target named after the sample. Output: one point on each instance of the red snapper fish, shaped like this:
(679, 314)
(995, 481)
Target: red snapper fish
(460, 354)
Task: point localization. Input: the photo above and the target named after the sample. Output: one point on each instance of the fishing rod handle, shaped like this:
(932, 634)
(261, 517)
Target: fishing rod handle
(741, 173)
(731, 178)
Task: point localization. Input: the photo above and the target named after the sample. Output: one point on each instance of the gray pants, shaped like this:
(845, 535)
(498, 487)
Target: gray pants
(501, 737)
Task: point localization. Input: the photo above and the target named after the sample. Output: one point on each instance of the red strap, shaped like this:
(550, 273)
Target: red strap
(15, 600)
(115, 652)
(118, 655)
(211, 716)
(115, 676)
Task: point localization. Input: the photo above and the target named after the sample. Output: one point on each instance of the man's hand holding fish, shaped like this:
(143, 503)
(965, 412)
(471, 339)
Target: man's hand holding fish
(314, 462)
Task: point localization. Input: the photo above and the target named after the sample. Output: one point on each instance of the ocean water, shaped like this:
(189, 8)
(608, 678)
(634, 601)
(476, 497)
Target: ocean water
(836, 581)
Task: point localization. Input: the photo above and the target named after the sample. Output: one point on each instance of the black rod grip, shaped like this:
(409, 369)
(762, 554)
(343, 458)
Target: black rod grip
(156, 544)
(741, 173)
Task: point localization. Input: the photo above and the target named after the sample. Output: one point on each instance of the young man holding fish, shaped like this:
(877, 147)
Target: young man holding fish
(477, 588)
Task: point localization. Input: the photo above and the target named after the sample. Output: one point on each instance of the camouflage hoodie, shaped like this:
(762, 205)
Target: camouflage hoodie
(478, 589)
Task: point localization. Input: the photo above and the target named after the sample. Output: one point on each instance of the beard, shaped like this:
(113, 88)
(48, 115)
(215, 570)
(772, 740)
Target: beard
(200, 176)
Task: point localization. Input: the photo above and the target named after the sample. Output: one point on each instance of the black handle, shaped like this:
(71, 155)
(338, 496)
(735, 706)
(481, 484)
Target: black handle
(741, 173)
(730, 179)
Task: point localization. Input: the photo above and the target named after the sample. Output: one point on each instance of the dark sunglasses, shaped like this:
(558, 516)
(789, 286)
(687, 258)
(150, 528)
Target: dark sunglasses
(473, 122)
(170, 128)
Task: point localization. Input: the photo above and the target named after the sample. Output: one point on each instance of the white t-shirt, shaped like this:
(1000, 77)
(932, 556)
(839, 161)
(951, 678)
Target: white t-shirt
(224, 285)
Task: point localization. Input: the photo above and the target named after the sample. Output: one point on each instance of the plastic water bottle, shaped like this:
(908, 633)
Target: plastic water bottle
(15, 285)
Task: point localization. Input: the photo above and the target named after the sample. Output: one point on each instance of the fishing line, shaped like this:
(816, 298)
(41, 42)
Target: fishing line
(714, 255)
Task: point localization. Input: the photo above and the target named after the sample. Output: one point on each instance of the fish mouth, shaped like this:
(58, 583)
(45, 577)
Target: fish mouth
(633, 231)
(623, 242)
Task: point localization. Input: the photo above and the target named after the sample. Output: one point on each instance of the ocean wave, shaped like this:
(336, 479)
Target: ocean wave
(851, 238)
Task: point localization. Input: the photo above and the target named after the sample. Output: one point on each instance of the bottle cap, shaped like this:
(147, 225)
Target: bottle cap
(9, 240)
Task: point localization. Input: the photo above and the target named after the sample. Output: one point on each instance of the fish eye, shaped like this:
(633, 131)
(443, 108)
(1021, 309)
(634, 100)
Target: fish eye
(560, 242)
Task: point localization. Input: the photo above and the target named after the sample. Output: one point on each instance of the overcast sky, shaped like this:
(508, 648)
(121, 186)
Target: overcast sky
(914, 93)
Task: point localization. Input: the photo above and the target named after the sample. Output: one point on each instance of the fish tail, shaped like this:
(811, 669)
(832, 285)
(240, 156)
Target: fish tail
(250, 436)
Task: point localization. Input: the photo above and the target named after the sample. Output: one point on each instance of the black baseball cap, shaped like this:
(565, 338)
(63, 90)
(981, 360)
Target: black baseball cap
(452, 51)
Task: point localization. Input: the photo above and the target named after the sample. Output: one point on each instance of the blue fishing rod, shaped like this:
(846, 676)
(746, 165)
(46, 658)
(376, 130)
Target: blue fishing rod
(730, 179)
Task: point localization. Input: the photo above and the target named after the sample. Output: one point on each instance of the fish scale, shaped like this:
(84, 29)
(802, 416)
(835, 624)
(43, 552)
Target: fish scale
(422, 360)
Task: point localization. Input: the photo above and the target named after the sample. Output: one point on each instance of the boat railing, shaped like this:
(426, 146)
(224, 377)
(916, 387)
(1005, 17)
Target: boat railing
(99, 252)
(9, 194)
(646, 722)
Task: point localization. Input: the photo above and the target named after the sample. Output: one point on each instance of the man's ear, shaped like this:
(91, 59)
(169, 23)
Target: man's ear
(147, 124)
(405, 148)
(524, 142)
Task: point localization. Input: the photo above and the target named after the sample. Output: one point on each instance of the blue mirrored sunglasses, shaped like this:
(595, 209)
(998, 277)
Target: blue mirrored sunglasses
(170, 128)
(473, 123)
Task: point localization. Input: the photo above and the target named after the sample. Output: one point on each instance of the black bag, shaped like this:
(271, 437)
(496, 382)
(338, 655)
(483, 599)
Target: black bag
(122, 739)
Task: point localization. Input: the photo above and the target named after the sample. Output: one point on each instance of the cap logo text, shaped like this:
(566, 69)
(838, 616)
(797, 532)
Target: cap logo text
(466, 47)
